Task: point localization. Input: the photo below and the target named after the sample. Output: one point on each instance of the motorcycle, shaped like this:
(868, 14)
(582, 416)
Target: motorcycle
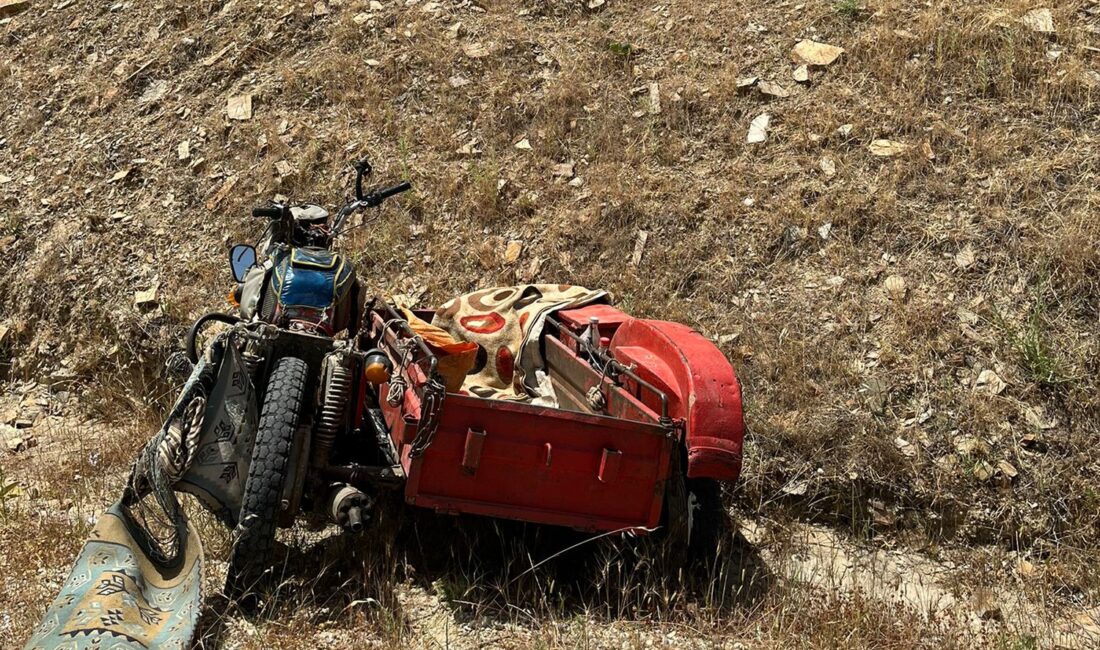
(299, 307)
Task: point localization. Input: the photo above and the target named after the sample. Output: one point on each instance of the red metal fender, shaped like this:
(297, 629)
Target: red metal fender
(701, 386)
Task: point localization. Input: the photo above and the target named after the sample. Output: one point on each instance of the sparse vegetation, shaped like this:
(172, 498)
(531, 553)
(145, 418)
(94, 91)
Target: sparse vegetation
(910, 395)
(850, 9)
(1031, 341)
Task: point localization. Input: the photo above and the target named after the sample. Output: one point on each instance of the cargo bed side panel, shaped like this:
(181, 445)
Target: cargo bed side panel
(544, 465)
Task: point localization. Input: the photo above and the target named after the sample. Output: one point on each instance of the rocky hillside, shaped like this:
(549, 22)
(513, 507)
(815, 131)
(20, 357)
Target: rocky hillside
(883, 211)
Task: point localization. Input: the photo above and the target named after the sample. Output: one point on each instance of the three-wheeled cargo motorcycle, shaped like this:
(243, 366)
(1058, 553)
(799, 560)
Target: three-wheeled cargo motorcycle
(645, 425)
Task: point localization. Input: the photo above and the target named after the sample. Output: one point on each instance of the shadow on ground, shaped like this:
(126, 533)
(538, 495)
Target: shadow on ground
(486, 572)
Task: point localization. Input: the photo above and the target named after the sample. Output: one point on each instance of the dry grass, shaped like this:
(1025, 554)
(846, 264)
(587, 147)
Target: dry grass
(834, 367)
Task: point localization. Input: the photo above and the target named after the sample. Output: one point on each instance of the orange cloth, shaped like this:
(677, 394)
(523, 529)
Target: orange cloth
(456, 358)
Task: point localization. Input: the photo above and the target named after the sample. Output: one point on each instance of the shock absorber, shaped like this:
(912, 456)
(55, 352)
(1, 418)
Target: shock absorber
(333, 407)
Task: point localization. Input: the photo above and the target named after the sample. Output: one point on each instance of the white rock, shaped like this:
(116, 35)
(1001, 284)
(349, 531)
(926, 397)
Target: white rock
(1039, 20)
(758, 129)
(814, 53)
(989, 382)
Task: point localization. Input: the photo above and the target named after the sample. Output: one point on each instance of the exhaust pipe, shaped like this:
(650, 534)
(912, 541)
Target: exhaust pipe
(355, 520)
(349, 507)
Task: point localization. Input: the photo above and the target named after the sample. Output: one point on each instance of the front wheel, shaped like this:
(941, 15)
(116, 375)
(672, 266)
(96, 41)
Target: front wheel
(250, 559)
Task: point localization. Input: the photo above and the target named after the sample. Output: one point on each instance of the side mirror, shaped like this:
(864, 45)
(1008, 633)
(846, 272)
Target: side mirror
(241, 258)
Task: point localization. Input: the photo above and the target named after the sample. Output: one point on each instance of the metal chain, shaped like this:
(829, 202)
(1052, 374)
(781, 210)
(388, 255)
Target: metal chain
(430, 409)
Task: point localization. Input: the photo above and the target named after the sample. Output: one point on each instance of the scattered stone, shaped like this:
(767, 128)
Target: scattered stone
(796, 488)
(907, 449)
(183, 151)
(639, 247)
(1039, 20)
(895, 287)
(563, 170)
(284, 169)
(19, 444)
(475, 50)
(512, 251)
(825, 230)
(470, 148)
(966, 257)
(596, 4)
(654, 98)
(801, 74)
(844, 130)
(966, 316)
(983, 471)
(239, 107)
(320, 10)
(773, 89)
(12, 7)
(887, 148)
(146, 299)
(154, 92)
(744, 83)
(758, 129)
(814, 53)
(1007, 470)
(576, 182)
(990, 383)
(216, 56)
(926, 149)
(524, 145)
(827, 166)
(458, 81)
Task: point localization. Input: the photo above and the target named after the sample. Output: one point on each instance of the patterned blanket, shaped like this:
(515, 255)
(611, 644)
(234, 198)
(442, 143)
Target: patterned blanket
(506, 323)
(117, 596)
(136, 583)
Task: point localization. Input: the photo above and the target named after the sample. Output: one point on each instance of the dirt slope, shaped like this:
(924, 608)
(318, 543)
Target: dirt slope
(904, 271)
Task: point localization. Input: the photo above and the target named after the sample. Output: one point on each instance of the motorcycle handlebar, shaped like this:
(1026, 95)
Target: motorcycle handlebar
(395, 189)
(268, 213)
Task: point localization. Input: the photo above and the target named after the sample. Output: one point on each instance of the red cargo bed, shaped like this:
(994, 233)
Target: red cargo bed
(598, 462)
(561, 466)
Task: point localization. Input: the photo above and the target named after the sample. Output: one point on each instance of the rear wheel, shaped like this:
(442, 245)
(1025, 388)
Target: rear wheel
(695, 519)
(250, 559)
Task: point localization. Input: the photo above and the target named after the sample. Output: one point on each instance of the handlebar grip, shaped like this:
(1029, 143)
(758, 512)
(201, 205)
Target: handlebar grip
(396, 189)
(267, 213)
